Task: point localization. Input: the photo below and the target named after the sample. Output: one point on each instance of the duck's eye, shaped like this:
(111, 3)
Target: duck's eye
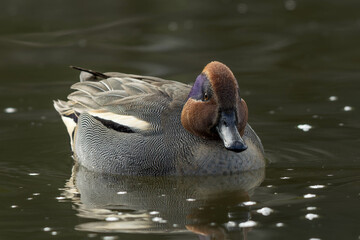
(206, 96)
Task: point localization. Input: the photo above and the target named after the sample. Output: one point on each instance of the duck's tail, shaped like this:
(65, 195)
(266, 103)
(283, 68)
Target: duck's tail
(90, 75)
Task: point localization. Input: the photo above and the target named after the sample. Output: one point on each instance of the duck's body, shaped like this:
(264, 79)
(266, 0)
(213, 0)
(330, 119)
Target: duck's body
(137, 125)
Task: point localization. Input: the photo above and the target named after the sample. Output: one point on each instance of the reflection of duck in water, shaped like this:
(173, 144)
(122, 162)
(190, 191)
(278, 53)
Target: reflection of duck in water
(138, 125)
(209, 206)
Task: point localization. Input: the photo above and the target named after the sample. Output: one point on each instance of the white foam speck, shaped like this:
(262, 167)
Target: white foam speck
(249, 223)
(309, 195)
(311, 208)
(111, 219)
(314, 238)
(121, 192)
(265, 211)
(347, 108)
(159, 220)
(304, 127)
(341, 124)
(279, 224)
(46, 229)
(249, 203)
(269, 186)
(191, 199)
(29, 198)
(231, 224)
(284, 178)
(290, 169)
(311, 216)
(175, 225)
(14, 206)
(54, 233)
(109, 237)
(333, 98)
(156, 219)
(10, 110)
(36, 194)
(317, 186)
(34, 174)
(60, 198)
(153, 212)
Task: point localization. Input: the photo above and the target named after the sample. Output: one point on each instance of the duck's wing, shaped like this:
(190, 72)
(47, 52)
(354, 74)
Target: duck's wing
(121, 101)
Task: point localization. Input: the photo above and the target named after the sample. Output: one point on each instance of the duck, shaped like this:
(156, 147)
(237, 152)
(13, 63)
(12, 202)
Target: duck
(130, 124)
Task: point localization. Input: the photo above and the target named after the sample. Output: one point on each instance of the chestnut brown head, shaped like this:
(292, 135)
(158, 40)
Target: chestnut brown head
(214, 109)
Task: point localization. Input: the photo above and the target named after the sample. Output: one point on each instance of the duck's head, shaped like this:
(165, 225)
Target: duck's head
(214, 109)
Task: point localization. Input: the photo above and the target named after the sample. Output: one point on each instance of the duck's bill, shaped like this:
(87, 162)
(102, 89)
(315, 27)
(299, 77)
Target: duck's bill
(229, 133)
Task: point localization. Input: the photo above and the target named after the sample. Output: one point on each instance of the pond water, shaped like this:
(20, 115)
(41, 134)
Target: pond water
(297, 63)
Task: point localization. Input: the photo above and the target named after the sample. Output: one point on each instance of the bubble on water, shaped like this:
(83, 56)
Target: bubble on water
(311, 208)
(348, 108)
(54, 233)
(231, 224)
(315, 116)
(191, 199)
(156, 219)
(309, 195)
(212, 224)
(111, 219)
(304, 127)
(333, 98)
(34, 174)
(47, 229)
(29, 198)
(10, 110)
(341, 124)
(269, 186)
(175, 225)
(311, 216)
(265, 211)
(159, 220)
(60, 198)
(14, 206)
(153, 212)
(246, 224)
(290, 5)
(249, 203)
(121, 192)
(242, 8)
(280, 224)
(317, 186)
(36, 194)
(290, 169)
(109, 237)
(314, 238)
(284, 178)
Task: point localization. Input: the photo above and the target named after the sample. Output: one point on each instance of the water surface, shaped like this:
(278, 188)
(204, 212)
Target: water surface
(297, 63)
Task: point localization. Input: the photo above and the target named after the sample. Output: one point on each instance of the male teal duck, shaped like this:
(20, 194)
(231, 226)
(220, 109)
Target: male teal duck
(138, 125)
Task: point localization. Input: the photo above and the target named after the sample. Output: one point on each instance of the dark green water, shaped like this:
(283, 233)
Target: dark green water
(297, 62)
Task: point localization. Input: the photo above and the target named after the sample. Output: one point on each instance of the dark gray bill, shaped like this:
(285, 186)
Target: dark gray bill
(229, 133)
